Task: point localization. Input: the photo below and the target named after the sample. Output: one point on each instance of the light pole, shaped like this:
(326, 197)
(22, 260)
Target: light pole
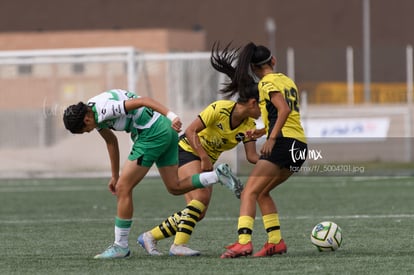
(270, 26)
(366, 44)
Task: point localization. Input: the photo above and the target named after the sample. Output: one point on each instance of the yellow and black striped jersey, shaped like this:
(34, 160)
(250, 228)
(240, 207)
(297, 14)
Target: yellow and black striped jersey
(278, 82)
(219, 135)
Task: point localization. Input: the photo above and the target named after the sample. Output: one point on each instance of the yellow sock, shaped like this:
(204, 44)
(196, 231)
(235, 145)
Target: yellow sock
(272, 226)
(189, 219)
(245, 229)
(167, 228)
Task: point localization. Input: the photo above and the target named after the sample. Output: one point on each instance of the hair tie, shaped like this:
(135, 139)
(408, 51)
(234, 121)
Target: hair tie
(264, 61)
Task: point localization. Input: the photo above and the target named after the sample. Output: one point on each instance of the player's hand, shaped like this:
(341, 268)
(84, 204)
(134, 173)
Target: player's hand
(256, 133)
(112, 185)
(176, 124)
(268, 147)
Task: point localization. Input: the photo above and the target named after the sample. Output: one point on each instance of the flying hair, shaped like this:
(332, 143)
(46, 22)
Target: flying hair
(241, 82)
(222, 61)
(242, 79)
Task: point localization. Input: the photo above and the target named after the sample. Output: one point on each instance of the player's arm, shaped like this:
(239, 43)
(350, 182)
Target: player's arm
(251, 154)
(283, 111)
(113, 150)
(135, 103)
(192, 136)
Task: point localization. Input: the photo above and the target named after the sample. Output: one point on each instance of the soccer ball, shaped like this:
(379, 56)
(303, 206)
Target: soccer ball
(326, 236)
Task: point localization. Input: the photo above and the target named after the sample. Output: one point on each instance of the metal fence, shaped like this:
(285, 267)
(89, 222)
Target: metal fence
(38, 85)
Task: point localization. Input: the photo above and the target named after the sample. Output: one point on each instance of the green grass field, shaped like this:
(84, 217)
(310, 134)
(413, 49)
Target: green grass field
(56, 226)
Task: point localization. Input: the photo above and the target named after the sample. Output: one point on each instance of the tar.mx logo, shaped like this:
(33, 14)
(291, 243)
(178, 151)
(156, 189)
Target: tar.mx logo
(299, 154)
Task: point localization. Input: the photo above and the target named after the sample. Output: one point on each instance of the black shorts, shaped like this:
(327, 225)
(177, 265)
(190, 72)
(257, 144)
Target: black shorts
(185, 157)
(288, 153)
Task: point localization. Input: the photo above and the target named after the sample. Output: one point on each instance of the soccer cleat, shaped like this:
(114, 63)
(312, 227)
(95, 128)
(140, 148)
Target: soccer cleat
(147, 241)
(182, 250)
(270, 249)
(237, 250)
(229, 180)
(113, 252)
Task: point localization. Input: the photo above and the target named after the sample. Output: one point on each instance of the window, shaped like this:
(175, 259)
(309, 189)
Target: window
(25, 69)
(78, 68)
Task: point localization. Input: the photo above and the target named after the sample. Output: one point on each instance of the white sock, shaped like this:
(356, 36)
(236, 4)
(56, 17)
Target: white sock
(208, 178)
(121, 236)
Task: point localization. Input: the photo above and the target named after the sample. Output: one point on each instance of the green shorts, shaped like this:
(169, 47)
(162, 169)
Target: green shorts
(157, 144)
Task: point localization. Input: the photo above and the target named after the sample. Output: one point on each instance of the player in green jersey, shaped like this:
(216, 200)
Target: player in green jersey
(282, 154)
(153, 129)
(218, 128)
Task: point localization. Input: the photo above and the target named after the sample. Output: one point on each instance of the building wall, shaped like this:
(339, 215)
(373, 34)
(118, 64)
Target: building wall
(318, 30)
(48, 83)
(152, 40)
(299, 22)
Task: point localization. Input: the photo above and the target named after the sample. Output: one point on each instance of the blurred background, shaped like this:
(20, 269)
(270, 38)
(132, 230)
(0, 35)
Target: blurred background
(352, 61)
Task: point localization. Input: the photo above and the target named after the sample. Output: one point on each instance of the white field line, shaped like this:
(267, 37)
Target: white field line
(337, 182)
(26, 189)
(216, 219)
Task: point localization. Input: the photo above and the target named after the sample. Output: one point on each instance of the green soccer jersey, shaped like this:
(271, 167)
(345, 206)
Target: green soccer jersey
(277, 82)
(109, 110)
(219, 135)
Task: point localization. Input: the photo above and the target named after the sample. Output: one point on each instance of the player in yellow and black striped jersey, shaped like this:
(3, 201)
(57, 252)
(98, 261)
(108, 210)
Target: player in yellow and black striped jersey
(218, 128)
(287, 88)
(219, 134)
(282, 154)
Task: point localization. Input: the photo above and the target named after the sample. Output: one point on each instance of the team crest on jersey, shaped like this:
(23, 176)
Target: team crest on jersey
(239, 137)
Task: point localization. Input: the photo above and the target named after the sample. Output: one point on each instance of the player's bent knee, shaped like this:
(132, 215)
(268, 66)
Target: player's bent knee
(122, 190)
(174, 191)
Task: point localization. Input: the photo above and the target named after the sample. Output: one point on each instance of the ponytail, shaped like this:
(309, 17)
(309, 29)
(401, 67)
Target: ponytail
(242, 78)
(222, 61)
(241, 81)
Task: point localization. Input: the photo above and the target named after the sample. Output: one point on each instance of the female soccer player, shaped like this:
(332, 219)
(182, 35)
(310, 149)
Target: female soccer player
(153, 130)
(282, 154)
(218, 128)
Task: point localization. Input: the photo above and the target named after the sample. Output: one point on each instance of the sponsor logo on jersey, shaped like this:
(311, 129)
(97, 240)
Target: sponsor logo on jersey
(239, 137)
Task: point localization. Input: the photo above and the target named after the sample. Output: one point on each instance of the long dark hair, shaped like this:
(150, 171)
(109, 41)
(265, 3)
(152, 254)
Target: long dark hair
(222, 61)
(250, 56)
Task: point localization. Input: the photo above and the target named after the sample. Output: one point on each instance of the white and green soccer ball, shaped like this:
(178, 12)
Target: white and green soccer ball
(326, 236)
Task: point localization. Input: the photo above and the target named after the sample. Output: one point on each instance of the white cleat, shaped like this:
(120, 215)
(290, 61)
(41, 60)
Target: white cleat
(182, 250)
(114, 252)
(226, 178)
(147, 241)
